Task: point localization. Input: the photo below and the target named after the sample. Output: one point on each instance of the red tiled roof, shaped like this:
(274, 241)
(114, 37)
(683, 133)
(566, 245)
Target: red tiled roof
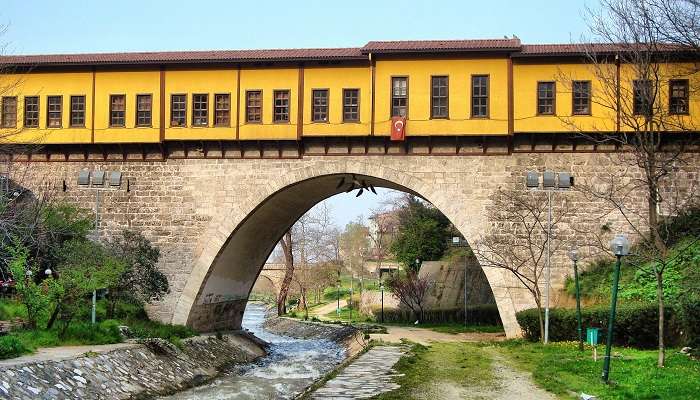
(590, 48)
(176, 57)
(402, 46)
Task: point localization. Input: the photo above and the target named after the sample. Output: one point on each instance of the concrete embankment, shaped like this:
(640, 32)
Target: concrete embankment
(133, 371)
(350, 337)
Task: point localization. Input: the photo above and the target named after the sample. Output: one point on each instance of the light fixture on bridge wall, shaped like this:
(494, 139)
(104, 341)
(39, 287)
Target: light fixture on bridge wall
(95, 180)
(551, 182)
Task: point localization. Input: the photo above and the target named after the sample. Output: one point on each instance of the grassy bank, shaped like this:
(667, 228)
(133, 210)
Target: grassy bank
(439, 371)
(560, 368)
(82, 332)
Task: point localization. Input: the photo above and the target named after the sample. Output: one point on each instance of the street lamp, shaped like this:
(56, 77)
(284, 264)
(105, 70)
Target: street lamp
(337, 285)
(95, 180)
(381, 288)
(573, 255)
(551, 182)
(620, 246)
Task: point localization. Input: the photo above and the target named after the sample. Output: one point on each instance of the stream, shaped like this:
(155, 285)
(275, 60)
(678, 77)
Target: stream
(291, 366)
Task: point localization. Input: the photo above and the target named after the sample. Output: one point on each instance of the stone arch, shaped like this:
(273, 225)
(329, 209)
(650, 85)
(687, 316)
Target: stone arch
(231, 253)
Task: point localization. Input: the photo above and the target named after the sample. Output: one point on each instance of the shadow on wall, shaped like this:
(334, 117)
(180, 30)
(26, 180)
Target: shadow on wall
(447, 290)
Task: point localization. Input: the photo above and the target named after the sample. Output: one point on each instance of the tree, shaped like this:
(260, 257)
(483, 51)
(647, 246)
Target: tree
(85, 267)
(423, 232)
(354, 245)
(141, 281)
(287, 249)
(411, 290)
(641, 48)
(383, 226)
(517, 240)
(32, 295)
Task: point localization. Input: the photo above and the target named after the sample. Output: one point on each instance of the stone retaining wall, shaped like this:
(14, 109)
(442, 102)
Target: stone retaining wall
(133, 372)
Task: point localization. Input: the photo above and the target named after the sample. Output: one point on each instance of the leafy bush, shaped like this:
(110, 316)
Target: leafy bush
(486, 314)
(685, 224)
(12, 309)
(636, 325)
(11, 346)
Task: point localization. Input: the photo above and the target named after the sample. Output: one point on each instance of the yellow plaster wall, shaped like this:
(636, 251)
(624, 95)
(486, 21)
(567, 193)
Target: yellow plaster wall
(459, 71)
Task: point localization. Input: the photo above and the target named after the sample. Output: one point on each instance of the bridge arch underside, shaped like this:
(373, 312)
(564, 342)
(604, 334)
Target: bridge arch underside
(223, 293)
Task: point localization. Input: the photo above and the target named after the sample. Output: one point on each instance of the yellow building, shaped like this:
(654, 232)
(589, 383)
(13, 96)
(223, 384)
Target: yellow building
(460, 88)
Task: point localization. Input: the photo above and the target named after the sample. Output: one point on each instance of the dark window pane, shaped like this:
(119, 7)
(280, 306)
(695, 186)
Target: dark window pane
(200, 109)
(678, 96)
(480, 96)
(143, 109)
(254, 106)
(9, 112)
(399, 96)
(439, 98)
(351, 105)
(178, 110)
(319, 112)
(117, 110)
(545, 98)
(54, 110)
(643, 99)
(31, 112)
(222, 110)
(77, 111)
(581, 92)
(281, 106)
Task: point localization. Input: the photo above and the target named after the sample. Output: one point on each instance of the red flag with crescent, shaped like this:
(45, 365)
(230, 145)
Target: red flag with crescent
(398, 128)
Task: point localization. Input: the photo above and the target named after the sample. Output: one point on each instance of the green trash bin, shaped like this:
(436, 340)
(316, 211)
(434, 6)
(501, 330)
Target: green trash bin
(592, 336)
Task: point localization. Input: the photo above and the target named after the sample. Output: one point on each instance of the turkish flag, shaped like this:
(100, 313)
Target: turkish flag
(398, 128)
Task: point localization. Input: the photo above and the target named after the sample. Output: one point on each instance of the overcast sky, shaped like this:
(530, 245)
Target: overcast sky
(42, 26)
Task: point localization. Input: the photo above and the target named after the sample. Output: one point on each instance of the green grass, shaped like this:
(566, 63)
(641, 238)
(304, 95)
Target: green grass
(428, 369)
(454, 328)
(562, 369)
(346, 314)
(82, 332)
(10, 309)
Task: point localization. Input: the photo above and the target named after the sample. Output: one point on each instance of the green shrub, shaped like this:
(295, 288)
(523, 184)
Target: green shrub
(636, 325)
(153, 329)
(485, 314)
(11, 346)
(11, 309)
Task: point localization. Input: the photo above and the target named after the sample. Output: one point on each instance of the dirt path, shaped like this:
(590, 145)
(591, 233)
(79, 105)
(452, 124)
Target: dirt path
(320, 312)
(425, 336)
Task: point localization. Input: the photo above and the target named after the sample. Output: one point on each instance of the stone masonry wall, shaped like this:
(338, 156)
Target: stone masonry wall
(190, 207)
(132, 372)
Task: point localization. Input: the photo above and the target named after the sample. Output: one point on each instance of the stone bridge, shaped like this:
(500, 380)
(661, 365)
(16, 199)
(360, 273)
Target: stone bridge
(216, 220)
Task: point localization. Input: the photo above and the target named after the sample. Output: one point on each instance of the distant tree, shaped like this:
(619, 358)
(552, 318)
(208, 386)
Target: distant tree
(34, 296)
(411, 290)
(423, 232)
(141, 281)
(354, 245)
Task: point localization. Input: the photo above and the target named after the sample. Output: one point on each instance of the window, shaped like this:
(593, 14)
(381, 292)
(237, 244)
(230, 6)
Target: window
(320, 105)
(143, 109)
(200, 109)
(117, 110)
(31, 112)
(351, 105)
(643, 97)
(54, 108)
(222, 110)
(77, 111)
(678, 96)
(545, 98)
(439, 97)
(253, 106)
(581, 97)
(281, 106)
(399, 96)
(178, 110)
(480, 96)
(9, 112)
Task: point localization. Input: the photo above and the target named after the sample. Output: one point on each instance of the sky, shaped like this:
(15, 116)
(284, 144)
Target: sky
(51, 27)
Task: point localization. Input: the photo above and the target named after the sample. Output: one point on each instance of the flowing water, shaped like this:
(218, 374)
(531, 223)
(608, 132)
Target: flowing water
(291, 366)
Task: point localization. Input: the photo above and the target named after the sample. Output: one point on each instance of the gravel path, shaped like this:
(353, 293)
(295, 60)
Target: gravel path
(425, 336)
